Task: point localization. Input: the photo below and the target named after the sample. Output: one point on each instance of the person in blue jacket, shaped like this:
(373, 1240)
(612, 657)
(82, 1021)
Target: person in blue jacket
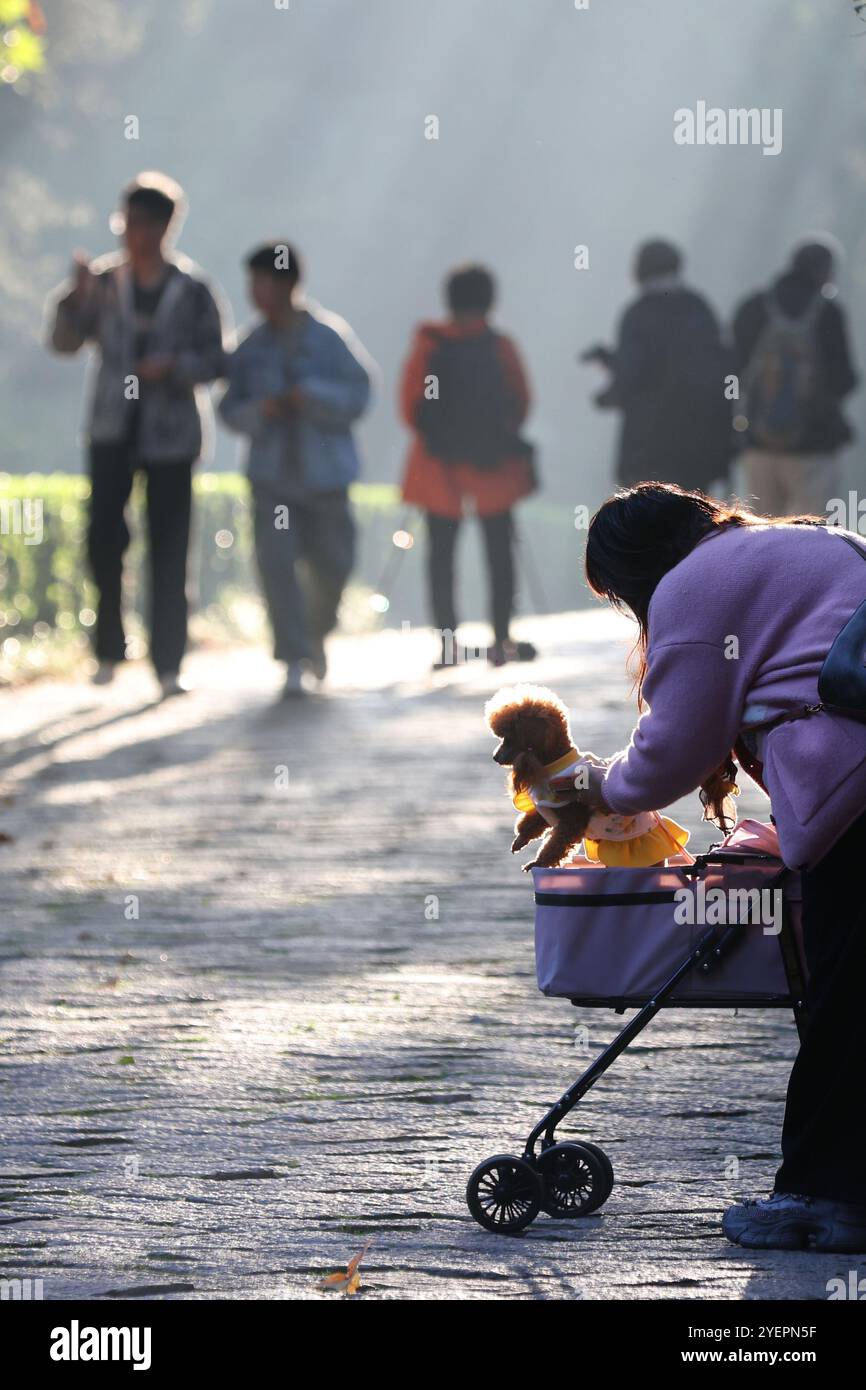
(296, 384)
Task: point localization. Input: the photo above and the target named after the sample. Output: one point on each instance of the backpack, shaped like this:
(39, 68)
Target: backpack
(467, 422)
(782, 377)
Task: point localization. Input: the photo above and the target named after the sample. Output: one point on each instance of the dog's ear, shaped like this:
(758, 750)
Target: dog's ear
(526, 770)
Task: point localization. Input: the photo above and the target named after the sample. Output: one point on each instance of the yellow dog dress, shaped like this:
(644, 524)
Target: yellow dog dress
(617, 841)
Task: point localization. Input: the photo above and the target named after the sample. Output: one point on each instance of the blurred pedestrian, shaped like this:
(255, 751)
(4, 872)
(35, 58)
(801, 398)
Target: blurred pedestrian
(465, 395)
(297, 383)
(156, 329)
(667, 377)
(795, 366)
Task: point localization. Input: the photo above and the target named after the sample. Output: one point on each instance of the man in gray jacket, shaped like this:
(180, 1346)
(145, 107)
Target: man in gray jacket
(156, 329)
(297, 383)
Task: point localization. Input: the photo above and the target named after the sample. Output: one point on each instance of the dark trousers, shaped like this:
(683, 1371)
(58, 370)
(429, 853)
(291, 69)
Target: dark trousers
(498, 535)
(303, 566)
(824, 1134)
(169, 504)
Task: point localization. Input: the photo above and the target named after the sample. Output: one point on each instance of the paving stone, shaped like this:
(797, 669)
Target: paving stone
(238, 1042)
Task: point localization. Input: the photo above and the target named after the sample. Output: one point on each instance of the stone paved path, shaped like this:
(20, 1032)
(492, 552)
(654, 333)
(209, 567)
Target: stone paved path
(237, 1043)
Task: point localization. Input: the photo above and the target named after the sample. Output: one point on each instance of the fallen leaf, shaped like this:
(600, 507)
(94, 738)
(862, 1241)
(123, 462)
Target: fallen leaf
(350, 1281)
(352, 1266)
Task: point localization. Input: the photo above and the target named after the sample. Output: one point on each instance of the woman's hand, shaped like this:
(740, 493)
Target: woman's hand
(82, 275)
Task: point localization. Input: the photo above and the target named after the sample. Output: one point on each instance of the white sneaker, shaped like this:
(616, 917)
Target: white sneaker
(104, 673)
(317, 664)
(294, 685)
(172, 683)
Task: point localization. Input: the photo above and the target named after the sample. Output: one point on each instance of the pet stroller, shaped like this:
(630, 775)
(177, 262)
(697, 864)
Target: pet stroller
(661, 937)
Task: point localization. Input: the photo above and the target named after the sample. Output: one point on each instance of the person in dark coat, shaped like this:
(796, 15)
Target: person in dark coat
(795, 367)
(668, 379)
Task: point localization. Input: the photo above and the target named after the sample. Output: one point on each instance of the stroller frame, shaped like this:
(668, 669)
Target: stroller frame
(570, 1179)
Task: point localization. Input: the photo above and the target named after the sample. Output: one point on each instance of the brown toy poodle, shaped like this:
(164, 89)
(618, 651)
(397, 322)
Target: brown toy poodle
(531, 723)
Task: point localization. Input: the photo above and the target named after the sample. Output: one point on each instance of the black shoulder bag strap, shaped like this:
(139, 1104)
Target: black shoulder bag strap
(842, 682)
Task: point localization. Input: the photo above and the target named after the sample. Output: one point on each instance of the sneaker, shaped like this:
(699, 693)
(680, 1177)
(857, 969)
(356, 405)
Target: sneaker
(104, 673)
(789, 1221)
(317, 663)
(294, 686)
(503, 652)
(171, 683)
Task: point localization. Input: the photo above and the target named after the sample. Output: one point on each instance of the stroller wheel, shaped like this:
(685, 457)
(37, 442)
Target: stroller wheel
(576, 1179)
(602, 1158)
(504, 1194)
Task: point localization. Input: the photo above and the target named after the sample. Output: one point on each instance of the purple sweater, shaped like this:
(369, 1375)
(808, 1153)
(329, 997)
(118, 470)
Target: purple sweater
(738, 632)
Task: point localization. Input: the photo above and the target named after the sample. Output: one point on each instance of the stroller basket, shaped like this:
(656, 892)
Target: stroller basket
(614, 936)
(723, 930)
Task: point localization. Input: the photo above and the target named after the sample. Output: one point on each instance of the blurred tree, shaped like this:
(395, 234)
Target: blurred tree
(22, 24)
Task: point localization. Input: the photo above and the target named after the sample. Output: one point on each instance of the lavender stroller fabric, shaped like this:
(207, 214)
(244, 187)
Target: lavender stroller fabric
(615, 936)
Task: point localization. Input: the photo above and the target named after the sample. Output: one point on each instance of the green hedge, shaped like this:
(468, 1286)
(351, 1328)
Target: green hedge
(47, 600)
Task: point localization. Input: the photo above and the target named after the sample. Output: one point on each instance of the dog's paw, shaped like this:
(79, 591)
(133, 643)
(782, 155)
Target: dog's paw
(517, 845)
(533, 863)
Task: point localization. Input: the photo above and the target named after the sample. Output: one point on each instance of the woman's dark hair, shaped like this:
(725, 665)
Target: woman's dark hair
(641, 532)
(471, 289)
(635, 537)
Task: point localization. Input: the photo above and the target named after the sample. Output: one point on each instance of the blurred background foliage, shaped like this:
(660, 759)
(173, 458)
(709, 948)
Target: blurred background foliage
(21, 47)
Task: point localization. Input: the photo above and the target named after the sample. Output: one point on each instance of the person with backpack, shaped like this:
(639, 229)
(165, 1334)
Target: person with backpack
(795, 369)
(667, 377)
(465, 395)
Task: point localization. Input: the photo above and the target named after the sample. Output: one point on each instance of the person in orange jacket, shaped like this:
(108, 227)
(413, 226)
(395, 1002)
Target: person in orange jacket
(464, 394)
